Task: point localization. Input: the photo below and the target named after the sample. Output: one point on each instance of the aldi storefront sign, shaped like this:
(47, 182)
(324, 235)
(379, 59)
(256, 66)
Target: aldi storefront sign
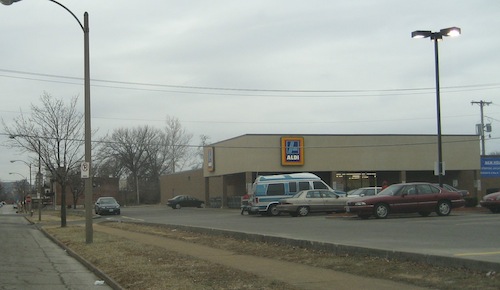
(490, 166)
(292, 151)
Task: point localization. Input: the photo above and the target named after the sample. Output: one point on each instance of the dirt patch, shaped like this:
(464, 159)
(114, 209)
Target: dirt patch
(137, 266)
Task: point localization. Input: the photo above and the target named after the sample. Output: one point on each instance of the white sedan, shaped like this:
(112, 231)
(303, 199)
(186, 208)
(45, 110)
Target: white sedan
(313, 200)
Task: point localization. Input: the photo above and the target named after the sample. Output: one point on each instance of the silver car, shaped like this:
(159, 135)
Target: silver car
(313, 200)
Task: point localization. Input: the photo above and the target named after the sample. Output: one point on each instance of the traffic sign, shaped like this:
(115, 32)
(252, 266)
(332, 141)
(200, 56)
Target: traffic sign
(85, 170)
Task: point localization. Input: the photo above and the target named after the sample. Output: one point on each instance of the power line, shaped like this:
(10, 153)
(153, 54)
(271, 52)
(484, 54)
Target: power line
(363, 92)
(276, 146)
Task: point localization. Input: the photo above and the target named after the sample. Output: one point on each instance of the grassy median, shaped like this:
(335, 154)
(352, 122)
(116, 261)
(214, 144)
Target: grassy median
(138, 266)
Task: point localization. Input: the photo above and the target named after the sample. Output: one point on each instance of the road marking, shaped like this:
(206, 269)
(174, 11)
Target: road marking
(478, 254)
(134, 219)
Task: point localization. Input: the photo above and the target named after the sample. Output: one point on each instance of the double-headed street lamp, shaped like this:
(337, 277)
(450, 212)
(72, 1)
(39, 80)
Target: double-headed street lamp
(436, 36)
(29, 165)
(88, 153)
(24, 177)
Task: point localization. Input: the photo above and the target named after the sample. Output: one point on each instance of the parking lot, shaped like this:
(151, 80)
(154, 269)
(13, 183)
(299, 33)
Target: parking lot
(470, 234)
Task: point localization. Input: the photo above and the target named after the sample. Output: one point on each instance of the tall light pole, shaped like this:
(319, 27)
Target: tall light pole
(436, 36)
(88, 142)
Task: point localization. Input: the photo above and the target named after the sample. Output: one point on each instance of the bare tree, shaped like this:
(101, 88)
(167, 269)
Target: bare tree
(3, 195)
(142, 154)
(77, 186)
(177, 142)
(129, 149)
(197, 161)
(54, 132)
(107, 166)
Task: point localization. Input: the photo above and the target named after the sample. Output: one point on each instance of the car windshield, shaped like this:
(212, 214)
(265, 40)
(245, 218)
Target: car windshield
(391, 190)
(298, 194)
(107, 201)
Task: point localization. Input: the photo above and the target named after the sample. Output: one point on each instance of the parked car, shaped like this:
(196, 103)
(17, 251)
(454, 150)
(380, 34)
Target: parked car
(448, 187)
(105, 205)
(364, 191)
(420, 197)
(268, 190)
(340, 193)
(184, 201)
(313, 200)
(492, 202)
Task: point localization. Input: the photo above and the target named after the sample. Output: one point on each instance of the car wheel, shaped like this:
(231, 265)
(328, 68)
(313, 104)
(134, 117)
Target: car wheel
(443, 208)
(303, 210)
(272, 210)
(178, 206)
(424, 213)
(381, 211)
(494, 209)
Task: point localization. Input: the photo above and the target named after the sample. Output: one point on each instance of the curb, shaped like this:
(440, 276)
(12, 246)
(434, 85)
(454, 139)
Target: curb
(339, 249)
(109, 281)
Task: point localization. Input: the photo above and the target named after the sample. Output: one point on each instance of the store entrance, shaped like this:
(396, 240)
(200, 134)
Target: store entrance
(354, 180)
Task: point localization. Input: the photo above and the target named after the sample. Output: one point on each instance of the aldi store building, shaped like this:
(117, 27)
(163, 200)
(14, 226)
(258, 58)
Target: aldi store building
(343, 161)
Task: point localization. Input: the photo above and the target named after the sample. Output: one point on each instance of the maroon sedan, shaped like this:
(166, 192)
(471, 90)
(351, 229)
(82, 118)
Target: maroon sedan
(420, 197)
(492, 202)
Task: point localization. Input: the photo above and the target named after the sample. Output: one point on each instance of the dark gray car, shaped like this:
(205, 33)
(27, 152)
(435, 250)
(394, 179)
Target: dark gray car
(106, 205)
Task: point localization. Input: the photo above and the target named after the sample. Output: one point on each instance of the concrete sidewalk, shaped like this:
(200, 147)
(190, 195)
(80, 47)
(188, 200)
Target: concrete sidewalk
(301, 276)
(30, 260)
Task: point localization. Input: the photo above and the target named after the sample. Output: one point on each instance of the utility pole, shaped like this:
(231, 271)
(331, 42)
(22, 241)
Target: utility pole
(481, 130)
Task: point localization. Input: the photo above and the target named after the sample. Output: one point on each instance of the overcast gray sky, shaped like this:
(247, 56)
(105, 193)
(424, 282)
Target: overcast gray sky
(228, 68)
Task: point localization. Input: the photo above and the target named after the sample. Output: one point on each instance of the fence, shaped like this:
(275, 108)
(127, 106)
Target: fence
(231, 201)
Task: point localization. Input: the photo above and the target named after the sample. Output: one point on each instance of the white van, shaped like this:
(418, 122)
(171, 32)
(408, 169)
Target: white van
(268, 190)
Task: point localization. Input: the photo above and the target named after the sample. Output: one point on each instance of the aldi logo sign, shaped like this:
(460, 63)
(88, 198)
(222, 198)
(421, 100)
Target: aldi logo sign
(292, 151)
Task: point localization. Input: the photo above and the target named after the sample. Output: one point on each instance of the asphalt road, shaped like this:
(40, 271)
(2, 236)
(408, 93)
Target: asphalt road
(472, 235)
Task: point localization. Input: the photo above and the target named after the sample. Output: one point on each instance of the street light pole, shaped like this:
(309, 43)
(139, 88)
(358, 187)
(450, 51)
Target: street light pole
(435, 36)
(88, 149)
(438, 109)
(88, 143)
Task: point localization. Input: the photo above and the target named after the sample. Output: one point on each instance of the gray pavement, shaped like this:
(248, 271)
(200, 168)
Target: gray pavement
(30, 260)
